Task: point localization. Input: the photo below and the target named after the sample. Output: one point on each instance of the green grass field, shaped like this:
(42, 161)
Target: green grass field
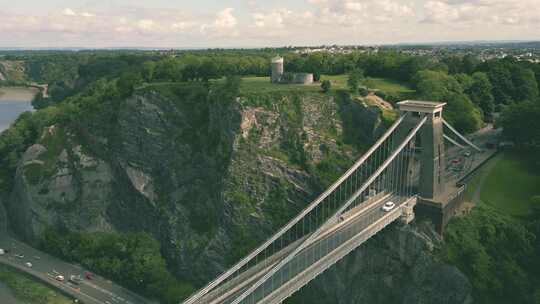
(510, 185)
(29, 291)
(388, 86)
(262, 84)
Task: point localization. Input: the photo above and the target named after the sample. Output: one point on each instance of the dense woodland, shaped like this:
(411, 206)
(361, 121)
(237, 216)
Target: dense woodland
(498, 253)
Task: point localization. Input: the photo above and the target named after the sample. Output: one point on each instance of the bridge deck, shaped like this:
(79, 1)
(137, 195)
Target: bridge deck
(358, 225)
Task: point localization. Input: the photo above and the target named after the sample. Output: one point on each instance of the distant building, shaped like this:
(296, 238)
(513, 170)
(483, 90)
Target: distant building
(277, 69)
(303, 78)
(279, 75)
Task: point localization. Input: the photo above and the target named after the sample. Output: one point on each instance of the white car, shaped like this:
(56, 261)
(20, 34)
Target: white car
(388, 206)
(59, 278)
(28, 264)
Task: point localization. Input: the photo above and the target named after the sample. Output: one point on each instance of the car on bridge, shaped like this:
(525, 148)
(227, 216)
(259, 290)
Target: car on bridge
(388, 206)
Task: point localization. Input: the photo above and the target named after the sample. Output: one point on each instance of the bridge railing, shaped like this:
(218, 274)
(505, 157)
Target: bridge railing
(381, 167)
(315, 214)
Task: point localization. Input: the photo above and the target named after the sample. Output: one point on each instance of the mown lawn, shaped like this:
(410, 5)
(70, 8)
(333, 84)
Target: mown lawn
(510, 185)
(262, 84)
(388, 86)
(28, 290)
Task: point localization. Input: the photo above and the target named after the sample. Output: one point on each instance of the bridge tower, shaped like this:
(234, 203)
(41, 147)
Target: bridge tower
(434, 194)
(431, 142)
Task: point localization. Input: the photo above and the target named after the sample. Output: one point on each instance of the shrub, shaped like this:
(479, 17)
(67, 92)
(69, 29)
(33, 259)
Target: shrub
(326, 85)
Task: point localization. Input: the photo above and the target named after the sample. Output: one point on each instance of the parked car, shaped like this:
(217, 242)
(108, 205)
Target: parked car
(88, 275)
(2, 252)
(59, 278)
(388, 206)
(75, 279)
(467, 153)
(28, 264)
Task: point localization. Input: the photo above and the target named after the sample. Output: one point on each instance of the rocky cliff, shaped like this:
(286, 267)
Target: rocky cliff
(211, 176)
(398, 265)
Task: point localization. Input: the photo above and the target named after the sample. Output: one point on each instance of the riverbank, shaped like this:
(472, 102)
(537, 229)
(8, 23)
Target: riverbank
(7, 295)
(22, 288)
(18, 93)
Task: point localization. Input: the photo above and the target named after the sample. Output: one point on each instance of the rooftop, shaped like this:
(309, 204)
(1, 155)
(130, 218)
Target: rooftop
(421, 106)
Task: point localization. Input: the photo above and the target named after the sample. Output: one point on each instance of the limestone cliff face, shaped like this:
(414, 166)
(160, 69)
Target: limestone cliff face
(398, 265)
(3, 218)
(210, 178)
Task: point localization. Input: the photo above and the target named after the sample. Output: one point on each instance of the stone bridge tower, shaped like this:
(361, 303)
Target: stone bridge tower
(431, 142)
(436, 199)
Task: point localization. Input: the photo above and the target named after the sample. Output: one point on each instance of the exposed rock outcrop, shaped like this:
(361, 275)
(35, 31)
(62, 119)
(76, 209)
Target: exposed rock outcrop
(398, 265)
(212, 178)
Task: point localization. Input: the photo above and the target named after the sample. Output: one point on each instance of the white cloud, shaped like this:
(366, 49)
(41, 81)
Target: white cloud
(147, 24)
(68, 12)
(183, 25)
(88, 15)
(353, 13)
(224, 25)
(259, 22)
(475, 12)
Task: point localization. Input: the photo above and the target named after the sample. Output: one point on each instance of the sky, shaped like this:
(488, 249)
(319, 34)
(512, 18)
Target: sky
(260, 23)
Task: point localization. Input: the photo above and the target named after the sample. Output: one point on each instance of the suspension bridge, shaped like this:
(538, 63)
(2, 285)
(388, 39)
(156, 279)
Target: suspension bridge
(404, 172)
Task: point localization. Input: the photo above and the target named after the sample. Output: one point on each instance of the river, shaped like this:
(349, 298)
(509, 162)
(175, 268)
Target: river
(14, 101)
(7, 296)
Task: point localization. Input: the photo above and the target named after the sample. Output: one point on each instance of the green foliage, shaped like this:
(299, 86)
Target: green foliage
(126, 83)
(459, 111)
(278, 207)
(134, 260)
(33, 173)
(496, 253)
(326, 85)
(29, 291)
(294, 136)
(521, 124)
(354, 115)
(480, 93)
(364, 92)
(512, 81)
(510, 184)
(15, 140)
(461, 65)
(330, 169)
(355, 77)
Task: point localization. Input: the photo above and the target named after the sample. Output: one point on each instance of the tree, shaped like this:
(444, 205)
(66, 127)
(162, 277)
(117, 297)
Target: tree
(354, 80)
(148, 70)
(521, 124)
(495, 252)
(439, 86)
(326, 85)
(480, 94)
(208, 70)
(525, 85)
(127, 82)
